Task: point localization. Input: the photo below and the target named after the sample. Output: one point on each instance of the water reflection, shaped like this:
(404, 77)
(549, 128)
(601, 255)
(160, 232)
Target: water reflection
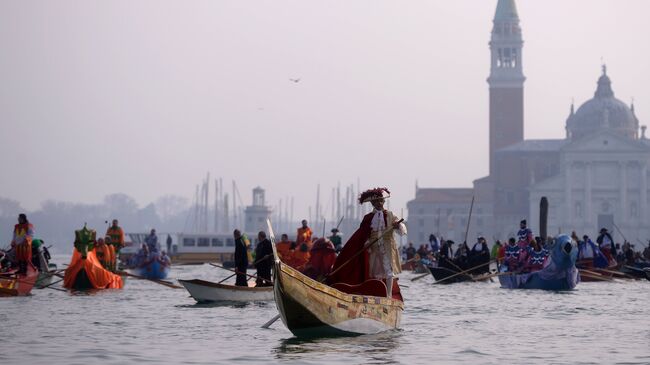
(375, 349)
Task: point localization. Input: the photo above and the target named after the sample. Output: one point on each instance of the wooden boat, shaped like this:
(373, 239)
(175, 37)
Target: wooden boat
(560, 273)
(637, 271)
(440, 274)
(309, 308)
(12, 284)
(206, 291)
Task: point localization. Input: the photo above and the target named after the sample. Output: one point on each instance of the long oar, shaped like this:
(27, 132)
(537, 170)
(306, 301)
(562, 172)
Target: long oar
(230, 276)
(161, 282)
(617, 273)
(235, 271)
(465, 272)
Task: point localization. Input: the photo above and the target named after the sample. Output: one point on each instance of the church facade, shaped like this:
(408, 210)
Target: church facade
(595, 177)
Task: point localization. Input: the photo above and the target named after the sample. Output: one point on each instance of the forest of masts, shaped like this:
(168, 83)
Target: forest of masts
(225, 211)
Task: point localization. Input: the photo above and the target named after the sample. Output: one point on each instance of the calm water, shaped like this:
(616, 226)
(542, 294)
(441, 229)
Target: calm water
(473, 323)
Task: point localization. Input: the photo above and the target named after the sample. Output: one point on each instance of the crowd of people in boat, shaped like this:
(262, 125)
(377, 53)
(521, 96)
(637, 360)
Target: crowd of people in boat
(308, 254)
(24, 250)
(150, 251)
(525, 253)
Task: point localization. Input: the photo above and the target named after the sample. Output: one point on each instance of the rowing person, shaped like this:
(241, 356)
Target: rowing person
(22, 242)
(241, 259)
(263, 260)
(303, 235)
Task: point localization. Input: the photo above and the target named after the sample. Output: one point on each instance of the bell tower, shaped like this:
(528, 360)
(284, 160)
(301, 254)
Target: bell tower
(506, 80)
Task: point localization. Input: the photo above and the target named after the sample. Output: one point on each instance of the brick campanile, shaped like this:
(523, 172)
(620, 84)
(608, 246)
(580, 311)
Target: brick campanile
(506, 80)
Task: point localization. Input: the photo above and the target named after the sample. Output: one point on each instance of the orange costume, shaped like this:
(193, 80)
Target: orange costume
(284, 251)
(103, 253)
(300, 259)
(116, 242)
(23, 233)
(304, 235)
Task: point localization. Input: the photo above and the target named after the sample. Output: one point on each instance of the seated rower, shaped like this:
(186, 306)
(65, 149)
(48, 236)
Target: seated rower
(511, 253)
(536, 257)
(285, 251)
(103, 253)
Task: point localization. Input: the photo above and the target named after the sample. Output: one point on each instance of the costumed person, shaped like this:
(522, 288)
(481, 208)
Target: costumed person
(85, 271)
(336, 240)
(284, 248)
(22, 242)
(524, 235)
(480, 255)
(589, 255)
(446, 257)
(40, 257)
(321, 259)
(164, 259)
(511, 253)
(103, 253)
(300, 257)
(606, 244)
(304, 234)
(241, 259)
(263, 260)
(116, 234)
(380, 260)
(152, 242)
(434, 242)
(536, 257)
(410, 252)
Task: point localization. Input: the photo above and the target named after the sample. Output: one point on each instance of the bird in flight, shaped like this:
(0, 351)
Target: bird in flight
(295, 80)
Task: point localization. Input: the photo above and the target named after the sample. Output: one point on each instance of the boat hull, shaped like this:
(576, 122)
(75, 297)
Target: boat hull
(153, 271)
(312, 309)
(535, 281)
(18, 286)
(206, 292)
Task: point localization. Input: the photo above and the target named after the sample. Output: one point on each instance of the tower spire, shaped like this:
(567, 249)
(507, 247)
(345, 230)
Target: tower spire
(506, 79)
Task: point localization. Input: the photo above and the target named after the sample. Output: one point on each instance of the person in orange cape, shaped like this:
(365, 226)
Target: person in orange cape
(380, 261)
(284, 249)
(85, 271)
(103, 253)
(22, 242)
(300, 257)
(116, 234)
(321, 259)
(304, 235)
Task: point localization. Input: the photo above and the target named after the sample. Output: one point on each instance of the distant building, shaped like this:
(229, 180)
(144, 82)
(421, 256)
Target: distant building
(257, 214)
(596, 177)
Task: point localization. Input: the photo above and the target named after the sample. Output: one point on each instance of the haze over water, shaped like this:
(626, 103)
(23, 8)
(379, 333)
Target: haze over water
(472, 323)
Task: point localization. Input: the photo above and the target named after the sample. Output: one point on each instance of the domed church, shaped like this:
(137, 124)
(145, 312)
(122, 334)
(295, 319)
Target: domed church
(595, 177)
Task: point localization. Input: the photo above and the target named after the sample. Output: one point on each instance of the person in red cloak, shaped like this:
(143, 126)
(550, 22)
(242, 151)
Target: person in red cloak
(321, 259)
(381, 260)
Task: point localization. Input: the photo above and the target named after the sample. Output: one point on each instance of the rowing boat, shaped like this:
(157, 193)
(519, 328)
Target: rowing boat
(206, 291)
(13, 284)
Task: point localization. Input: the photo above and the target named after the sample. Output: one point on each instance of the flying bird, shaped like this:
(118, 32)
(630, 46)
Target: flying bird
(295, 80)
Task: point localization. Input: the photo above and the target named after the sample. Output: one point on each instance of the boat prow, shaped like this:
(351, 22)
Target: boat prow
(207, 292)
(309, 308)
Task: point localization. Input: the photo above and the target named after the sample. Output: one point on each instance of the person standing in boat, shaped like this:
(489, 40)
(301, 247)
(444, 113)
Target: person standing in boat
(116, 234)
(480, 255)
(284, 249)
(336, 240)
(152, 242)
(303, 235)
(536, 257)
(241, 259)
(434, 242)
(446, 256)
(169, 243)
(524, 235)
(263, 260)
(606, 244)
(103, 253)
(22, 242)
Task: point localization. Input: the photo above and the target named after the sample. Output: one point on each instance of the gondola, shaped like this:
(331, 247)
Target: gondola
(206, 292)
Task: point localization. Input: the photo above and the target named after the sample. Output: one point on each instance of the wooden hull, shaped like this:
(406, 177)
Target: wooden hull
(206, 291)
(312, 309)
(18, 286)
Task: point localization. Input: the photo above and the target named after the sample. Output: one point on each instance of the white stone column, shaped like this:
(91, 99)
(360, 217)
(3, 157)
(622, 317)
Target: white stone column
(587, 206)
(567, 195)
(643, 204)
(622, 193)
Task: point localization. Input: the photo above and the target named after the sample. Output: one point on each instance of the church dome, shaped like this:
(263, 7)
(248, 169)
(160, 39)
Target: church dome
(603, 111)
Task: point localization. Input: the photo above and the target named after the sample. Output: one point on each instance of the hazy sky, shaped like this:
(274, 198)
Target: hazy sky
(145, 97)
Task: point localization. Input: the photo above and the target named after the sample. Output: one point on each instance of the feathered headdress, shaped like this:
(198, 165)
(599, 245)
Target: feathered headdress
(374, 194)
